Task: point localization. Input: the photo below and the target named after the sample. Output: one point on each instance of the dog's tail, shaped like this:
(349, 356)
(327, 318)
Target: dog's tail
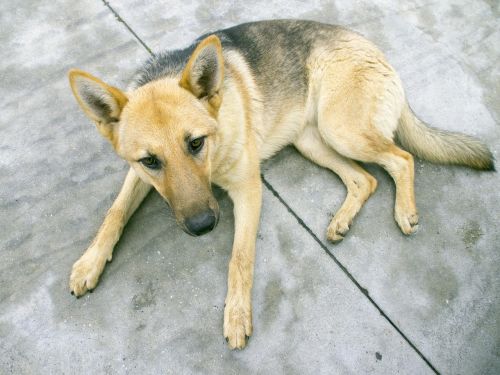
(440, 146)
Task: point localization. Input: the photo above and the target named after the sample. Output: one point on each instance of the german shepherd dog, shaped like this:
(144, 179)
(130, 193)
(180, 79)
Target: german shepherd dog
(210, 113)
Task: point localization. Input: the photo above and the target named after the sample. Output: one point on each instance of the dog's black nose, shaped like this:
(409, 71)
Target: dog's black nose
(201, 223)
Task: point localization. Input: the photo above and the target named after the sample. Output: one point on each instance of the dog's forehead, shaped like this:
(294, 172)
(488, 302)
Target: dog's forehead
(161, 104)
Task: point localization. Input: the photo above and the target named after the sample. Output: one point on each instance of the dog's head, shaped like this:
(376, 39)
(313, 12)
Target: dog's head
(166, 131)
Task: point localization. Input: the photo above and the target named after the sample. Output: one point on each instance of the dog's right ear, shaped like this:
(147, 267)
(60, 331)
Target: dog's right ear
(102, 103)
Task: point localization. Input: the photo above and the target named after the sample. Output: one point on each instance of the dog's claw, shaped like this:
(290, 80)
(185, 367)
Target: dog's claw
(337, 236)
(337, 239)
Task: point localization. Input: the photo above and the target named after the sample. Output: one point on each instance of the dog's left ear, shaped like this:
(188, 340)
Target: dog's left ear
(204, 72)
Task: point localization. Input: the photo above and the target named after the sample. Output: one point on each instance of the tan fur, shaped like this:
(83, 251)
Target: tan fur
(354, 105)
(439, 146)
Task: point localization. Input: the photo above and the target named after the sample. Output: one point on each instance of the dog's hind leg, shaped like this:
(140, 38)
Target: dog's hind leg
(88, 268)
(359, 183)
(360, 128)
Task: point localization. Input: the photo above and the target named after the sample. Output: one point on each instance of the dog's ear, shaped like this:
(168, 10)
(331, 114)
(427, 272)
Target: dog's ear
(204, 72)
(102, 103)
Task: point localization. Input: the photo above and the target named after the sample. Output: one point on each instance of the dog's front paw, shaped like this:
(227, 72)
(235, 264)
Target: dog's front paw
(237, 323)
(86, 271)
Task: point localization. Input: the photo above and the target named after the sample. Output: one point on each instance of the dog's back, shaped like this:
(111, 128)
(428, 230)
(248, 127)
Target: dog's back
(276, 52)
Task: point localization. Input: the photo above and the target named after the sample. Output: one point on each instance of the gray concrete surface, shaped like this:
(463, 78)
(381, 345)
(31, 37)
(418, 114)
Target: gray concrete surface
(158, 308)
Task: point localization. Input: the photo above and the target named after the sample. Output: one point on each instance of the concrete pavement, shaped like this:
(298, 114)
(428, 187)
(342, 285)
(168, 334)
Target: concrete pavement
(379, 302)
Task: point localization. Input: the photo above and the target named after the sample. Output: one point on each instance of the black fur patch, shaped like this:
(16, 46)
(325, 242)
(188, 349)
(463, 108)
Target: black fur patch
(276, 52)
(165, 64)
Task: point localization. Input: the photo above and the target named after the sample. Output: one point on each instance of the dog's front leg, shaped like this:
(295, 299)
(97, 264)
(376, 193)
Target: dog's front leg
(88, 268)
(247, 199)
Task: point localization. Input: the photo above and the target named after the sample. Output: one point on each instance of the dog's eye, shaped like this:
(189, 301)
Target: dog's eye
(151, 162)
(196, 145)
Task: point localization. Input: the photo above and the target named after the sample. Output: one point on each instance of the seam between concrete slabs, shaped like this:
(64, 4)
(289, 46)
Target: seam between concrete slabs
(347, 273)
(121, 20)
(301, 222)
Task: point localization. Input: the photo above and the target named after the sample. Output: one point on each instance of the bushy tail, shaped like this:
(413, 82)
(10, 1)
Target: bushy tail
(440, 146)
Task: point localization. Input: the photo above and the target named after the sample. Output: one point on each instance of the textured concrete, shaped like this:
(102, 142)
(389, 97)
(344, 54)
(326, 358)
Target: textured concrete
(158, 308)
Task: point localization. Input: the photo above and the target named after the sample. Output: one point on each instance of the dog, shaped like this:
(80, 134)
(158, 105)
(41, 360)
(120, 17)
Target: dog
(210, 113)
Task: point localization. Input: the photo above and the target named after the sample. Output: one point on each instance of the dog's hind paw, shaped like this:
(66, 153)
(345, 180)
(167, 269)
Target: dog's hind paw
(337, 230)
(85, 273)
(408, 222)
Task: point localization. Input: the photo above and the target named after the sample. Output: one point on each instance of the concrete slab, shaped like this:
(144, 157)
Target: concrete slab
(43, 145)
(41, 42)
(179, 23)
(159, 305)
(158, 308)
